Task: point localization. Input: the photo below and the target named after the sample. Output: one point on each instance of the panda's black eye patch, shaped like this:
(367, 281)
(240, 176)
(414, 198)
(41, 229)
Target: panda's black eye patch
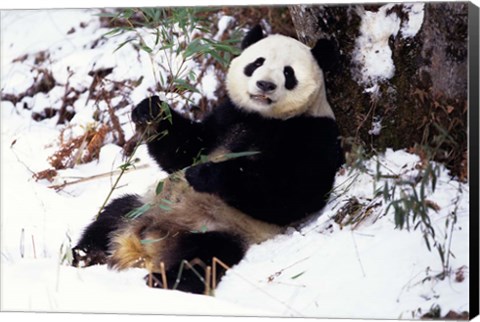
(250, 68)
(290, 79)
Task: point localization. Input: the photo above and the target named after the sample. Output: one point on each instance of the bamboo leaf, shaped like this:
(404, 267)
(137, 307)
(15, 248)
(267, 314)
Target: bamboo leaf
(235, 155)
(126, 166)
(298, 275)
(203, 229)
(114, 31)
(159, 188)
(192, 76)
(150, 241)
(106, 15)
(425, 237)
(157, 36)
(144, 47)
(218, 58)
(127, 13)
(137, 212)
(192, 48)
(164, 207)
(184, 85)
(123, 44)
(168, 113)
(386, 196)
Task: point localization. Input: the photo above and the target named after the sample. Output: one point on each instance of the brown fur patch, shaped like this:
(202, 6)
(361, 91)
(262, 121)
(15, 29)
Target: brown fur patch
(151, 239)
(128, 251)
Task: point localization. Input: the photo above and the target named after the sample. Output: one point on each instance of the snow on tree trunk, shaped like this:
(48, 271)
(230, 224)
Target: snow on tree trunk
(402, 76)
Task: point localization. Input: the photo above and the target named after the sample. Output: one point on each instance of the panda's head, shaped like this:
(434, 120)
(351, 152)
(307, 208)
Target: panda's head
(279, 77)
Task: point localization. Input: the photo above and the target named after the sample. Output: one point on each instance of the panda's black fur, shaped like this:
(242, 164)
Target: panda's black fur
(220, 207)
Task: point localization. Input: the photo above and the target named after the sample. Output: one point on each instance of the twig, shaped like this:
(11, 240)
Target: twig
(97, 176)
(358, 255)
(19, 160)
(274, 275)
(208, 273)
(164, 275)
(22, 243)
(34, 250)
(114, 119)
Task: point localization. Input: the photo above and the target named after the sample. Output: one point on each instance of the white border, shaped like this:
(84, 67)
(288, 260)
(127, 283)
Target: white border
(57, 4)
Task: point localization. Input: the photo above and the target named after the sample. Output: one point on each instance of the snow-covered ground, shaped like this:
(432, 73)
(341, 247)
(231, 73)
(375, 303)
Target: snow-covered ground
(369, 270)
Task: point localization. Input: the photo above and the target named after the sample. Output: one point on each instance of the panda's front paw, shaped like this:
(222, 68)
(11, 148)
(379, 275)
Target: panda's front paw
(147, 111)
(202, 177)
(83, 257)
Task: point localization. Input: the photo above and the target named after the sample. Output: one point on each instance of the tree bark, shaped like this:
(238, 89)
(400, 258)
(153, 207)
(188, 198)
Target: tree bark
(424, 102)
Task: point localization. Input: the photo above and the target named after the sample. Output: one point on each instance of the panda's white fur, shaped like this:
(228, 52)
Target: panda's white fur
(308, 97)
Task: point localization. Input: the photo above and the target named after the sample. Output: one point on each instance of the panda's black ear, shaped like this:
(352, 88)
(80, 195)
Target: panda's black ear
(327, 54)
(254, 35)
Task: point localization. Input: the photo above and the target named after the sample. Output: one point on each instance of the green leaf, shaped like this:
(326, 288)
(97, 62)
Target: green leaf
(425, 237)
(183, 84)
(386, 195)
(235, 155)
(157, 36)
(144, 47)
(168, 113)
(137, 212)
(106, 15)
(226, 48)
(162, 80)
(123, 44)
(151, 241)
(202, 230)
(203, 158)
(126, 166)
(441, 252)
(192, 76)
(298, 275)
(218, 58)
(114, 31)
(192, 48)
(152, 14)
(159, 188)
(128, 13)
(227, 57)
(164, 207)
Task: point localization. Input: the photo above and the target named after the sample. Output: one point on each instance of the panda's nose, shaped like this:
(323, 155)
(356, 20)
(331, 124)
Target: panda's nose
(266, 86)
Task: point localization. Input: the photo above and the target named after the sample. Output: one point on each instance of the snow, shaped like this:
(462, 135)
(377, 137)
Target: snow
(344, 272)
(223, 24)
(412, 25)
(372, 56)
(323, 269)
(372, 52)
(376, 127)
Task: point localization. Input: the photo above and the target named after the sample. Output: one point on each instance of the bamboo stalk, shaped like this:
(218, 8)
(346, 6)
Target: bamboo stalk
(208, 273)
(97, 176)
(164, 275)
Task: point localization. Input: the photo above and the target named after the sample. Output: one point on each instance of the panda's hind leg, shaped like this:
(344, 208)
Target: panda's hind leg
(93, 246)
(193, 253)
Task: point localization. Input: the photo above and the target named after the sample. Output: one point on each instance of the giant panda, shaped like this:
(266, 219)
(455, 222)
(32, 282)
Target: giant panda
(270, 154)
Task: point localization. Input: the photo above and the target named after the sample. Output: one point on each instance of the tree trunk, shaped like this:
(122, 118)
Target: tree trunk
(402, 77)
